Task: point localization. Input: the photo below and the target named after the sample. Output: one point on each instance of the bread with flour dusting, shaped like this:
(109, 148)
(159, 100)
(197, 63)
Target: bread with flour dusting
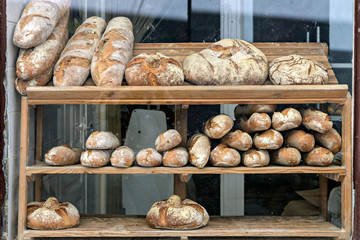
(270, 139)
(287, 119)
(95, 158)
(102, 140)
(238, 139)
(224, 156)
(218, 126)
(256, 158)
(122, 157)
(199, 147)
(167, 140)
(63, 155)
(176, 157)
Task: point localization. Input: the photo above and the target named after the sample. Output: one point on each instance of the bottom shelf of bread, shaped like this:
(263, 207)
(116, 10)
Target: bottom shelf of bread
(136, 226)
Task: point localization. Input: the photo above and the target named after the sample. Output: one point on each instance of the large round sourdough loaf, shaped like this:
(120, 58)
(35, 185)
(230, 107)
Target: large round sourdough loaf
(227, 62)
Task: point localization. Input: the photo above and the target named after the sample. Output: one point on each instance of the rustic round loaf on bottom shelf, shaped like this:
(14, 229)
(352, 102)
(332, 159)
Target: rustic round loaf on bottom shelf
(199, 147)
(287, 156)
(216, 127)
(270, 139)
(223, 156)
(319, 156)
(148, 157)
(95, 158)
(63, 155)
(122, 157)
(238, 139)
(256, 158)
(176, 157)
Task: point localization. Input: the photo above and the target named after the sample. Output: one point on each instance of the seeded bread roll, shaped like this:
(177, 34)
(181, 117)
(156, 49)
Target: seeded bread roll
(218, 126)
(319, 156)
(287, 119)
(177, 215)
(154, 70)
(63, 155)
(331, 140)
(248, 109)
(227, 62)
(287, 156)
(301, 140)
(167, 140)
(122, 157)
(270, 139)
(255, 123)
(295, 69)
(256, 158)
(102, 140)
(238, 139)
(199, 150)
(176, 157)
(316, 120)
(223, 156)
(51, 215)
(95, 158)
(148, 157)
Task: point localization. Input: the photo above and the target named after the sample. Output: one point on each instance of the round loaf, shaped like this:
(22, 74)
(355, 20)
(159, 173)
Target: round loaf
(148, 157)
(287, 156)
(122, 157)
(331, 140)
(176, 214)
(256, 158)
(247, 109)
(95, 158)
(255, 123)
(227, 62)
(238, 139)
(223, 156)
(63, 155)
(176, 157)
(167, 140)
(301, 140)
(51, 215)
(287, 119)
(270, 139)
(295, 69)
(316, 120)
(154, 70)
(319, 156)
(102, 140)
(199, 150)
(218, 126)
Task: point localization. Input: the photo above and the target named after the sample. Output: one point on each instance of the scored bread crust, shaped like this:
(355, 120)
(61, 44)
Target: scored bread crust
(63, 155)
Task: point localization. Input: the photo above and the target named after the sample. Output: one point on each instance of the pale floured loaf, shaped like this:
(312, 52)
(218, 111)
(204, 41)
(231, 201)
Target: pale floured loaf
(102, 140)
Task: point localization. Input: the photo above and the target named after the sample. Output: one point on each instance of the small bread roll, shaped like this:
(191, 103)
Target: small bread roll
(316, 120)
(199, 150)
(301, 140)
(238, 139)
(95, 158)
(63, 155)
(331, 140)
(148, 157)
(287, 119)
(270, 139)
(102, 140)
(122, 157)
(217, 126)
(287, 156)
(167, 140)
(176, 157)
(319, 156)
(247, 109)
(223, 156)
(255, 123)
(256, 158)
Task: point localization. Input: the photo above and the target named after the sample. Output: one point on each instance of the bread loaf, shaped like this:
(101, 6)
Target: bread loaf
(167, 140)
(287, 156)
(122, 157)
(256, 158)
(199, 150)
(176, 157)
(102, 140)
(287, 119)
(247, 109)
(316, 120)
(270, 139)
(227, 62)
(41, 80)
(112, 53)
(148, 157)
(63, 155)
(218, 126)
(301, 140)
(255, 123)
(330, 140)
(154, 70)
(38, 21)
(95, 158)
(295, 69)
(73, 67)
(319, 156)
(51, 215)
(238, 139)
(223, 156)
(176, 214)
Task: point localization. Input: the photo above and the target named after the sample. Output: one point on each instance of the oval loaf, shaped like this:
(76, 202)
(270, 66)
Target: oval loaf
(247, 109)
(122, 157)
(316, 120)
(199, 150)
(256, 158)
(63, 155)
(287, 119)
(319, 156)
(223, 156)
(238, 139)
(95, 158)
(102, 140)
(287, 156)
(176, 157)
(148, 157)
(331, 140)
(218, 126)
(270, 139)
(167, 140)
(255, 123)
(301, 140)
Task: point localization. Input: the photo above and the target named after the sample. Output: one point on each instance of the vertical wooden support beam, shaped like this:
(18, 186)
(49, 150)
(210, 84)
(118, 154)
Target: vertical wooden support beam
(323, 185)
(38, 150)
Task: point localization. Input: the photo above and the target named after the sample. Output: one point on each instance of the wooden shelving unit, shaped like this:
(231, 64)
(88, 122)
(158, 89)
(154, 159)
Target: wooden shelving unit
(182, 96)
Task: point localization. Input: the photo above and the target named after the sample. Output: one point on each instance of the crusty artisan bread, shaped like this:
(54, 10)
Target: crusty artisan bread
(223, 156)
(247, 109)
(95, 158)
(301, 140)
(287, 156)
(176, 157)
(112, 53)
(154, 70)
(102, 140)
(41, 80)
(319, 156)
(63, 155)
(175, 213)
(270, 139)
(122, 157)
(73, 67)
(255, 123)
(167, 140)
(238, 139)
(316, 120)
(331, 140)
(199, 146)
(227, 62)
(256, 158)
(287, 119)
(218, 126)
(148, 157)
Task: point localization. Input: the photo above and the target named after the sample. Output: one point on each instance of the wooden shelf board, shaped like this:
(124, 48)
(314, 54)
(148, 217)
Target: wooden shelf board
(271, 226)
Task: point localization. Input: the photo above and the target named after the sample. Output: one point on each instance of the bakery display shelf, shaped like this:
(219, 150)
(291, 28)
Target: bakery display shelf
(247, 226)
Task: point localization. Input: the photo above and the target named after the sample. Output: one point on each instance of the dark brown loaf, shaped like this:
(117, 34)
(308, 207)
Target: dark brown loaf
(218, 126)
(167, 140)
(256, 158)
(316, 120)
(176, 214)
(95, 158)
(319, 156)
(255, 123)
(223, 156)
(51, 215)
(63, 155)
(112, 53)
(295, 69)
(148, 157)
(301, 140)
(122, 157)
(247, 109)
(176, 157)
(199, 150)
(154, 70)
(102, 140)
(287, 156)
(238, 139)
(270, 139)
(331, 140)
(227, 62)
(287, 119)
